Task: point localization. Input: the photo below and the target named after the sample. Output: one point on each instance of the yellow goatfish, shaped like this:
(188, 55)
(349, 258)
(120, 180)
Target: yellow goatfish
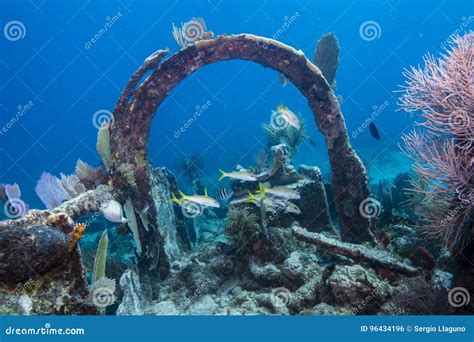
(239, 175)
(289, 116)
(292, 208)
(278, 191)
(205, 200)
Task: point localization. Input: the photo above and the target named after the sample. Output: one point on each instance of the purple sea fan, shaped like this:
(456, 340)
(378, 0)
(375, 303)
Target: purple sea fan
(72, 185)
(14, 207)
(12, 191)
(50, 191)
(443, 93)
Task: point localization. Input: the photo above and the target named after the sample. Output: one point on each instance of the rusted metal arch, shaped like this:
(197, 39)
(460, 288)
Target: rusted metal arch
(139, 102)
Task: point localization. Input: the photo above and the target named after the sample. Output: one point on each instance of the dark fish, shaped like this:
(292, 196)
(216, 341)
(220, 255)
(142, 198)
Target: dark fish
(283, 80)
(225, 194)
(312, 142)
(374, 131)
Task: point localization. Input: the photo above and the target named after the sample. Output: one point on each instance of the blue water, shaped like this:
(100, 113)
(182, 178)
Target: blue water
(68, 80)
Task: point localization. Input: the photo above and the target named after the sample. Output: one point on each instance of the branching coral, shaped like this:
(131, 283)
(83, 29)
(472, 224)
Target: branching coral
(419, 297)
(242, 228)
(443, 93)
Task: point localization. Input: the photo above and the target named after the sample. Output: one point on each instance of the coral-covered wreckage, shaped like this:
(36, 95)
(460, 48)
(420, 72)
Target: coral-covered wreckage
(330, 258)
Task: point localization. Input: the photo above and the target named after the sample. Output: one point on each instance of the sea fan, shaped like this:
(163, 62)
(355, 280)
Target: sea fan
(50, 191)
(88, 175)
(12, 191)
(326, 57)
(72, 185)
(443, 93)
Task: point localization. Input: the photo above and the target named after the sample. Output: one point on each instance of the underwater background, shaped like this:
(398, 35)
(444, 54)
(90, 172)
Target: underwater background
(68, 79)
(236, 215)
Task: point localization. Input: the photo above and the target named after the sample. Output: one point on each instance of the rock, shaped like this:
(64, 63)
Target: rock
(206, 305)
(323, 309)
(277, 301)
(442, 279)
(404, 240)
(293, 267)
(306, 295)
(165, 308)
(27, 252)
(281, 171)
(132, 301)
(268, 275)
(358, 288)
(39, 275)
(199, 278)
(312, 204)
(169, 220)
